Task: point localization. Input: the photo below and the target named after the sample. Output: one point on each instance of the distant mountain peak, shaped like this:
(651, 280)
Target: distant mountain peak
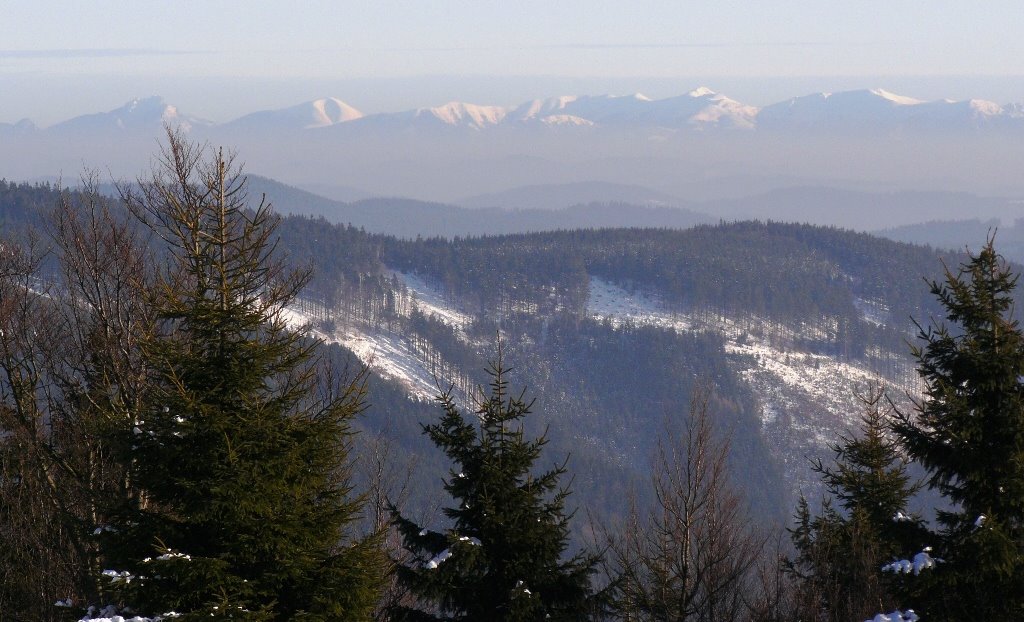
(331, 110)
(139, 114)
(316, 113)
(702, 91)
(984, 107)
(147, 108)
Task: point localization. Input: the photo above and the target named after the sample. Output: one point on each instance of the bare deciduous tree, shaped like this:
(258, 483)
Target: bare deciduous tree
(70, 379)
(694, 554)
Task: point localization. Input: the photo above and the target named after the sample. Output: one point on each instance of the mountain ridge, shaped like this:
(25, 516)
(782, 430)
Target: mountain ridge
(700, 108)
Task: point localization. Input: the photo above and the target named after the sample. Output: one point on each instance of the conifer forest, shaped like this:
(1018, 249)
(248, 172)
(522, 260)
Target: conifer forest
(212, 409)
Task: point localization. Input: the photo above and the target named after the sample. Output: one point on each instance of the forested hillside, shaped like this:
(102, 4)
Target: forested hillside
(604, 383)
(838, 303)
(829, 305)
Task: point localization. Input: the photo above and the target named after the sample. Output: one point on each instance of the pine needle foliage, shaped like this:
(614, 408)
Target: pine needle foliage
(241, 450)
(863, 524)
(504, 556)
(968, 433)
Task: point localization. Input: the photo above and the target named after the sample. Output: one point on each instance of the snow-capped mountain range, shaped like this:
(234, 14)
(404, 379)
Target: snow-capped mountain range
(700, 109)
(867, 109)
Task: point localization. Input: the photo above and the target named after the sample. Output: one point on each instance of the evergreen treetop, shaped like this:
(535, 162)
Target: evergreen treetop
(841, 549)
(504, 555)
(868, 476)
(968, 433)
(241, 452)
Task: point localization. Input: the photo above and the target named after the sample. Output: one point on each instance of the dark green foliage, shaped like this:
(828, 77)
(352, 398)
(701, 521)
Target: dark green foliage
(504, 555)
(23, 205)
(968, 433)
(795, 275)
(246, 511)
(840, 551)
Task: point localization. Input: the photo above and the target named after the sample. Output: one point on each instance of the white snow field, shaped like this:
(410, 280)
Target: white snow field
(390, 355)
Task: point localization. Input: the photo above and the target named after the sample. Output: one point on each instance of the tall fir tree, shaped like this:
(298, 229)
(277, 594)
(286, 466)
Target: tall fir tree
(968, 433)
(504, 556)
(247, 512)
(839, 552)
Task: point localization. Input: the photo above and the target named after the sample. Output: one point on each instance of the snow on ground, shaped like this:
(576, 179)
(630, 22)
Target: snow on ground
(804, 398)
(392, 358)
(821, 378)
(611, 302)
(872, 311)
(387, 354)
(431, 302)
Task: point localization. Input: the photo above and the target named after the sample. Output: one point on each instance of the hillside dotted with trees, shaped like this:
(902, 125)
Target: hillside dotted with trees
(175, 446)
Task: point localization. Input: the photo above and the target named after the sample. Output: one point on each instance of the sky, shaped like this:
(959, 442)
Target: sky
(224, 58)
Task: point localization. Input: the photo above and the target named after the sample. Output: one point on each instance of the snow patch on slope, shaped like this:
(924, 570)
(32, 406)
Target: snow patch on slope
(390, 355)
(873, 311)
(470, 115)
(331, 110)
(387, 354)
(610, 302)
(899, 100)
(431, 302)
(565, 120)
(804, 397)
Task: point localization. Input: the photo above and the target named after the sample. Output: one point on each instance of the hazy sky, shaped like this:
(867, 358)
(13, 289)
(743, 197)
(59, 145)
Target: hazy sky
(219, 58)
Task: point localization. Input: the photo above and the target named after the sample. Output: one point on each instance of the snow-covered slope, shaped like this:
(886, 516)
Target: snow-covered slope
(600, 109)
(450, 115)
(431, 302)
(877, 109)
(699, 108)
(393, 356)
(804, 398)
(389, 355)
(945, 114)
(312, 114)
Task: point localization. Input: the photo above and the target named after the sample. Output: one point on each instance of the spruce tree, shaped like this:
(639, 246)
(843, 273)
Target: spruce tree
(504, 555)
(246, 511)
(968, 433)
(863, 524)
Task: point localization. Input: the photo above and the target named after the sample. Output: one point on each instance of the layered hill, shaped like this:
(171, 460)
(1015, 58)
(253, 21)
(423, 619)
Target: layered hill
(612, 330)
